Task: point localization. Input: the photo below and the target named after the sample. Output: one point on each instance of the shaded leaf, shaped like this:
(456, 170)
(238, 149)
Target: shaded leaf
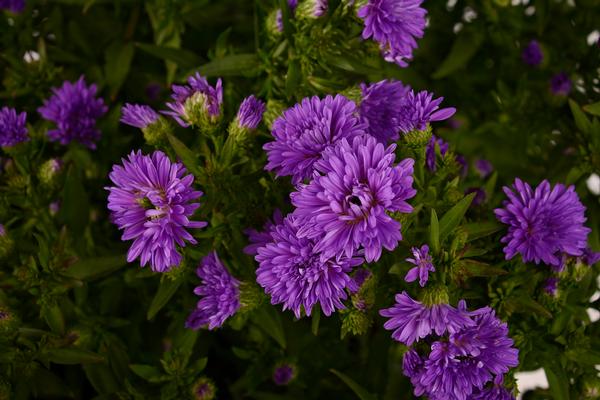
(463, 49)
(452, 218)
(361, 392)
(93, 268)
(477, 230)
(183, 58)
(434, 232)
(582, 122)
(185, 154)
(269, 321)
(73, 356)
(146, 372)
(476, 268)
(166, 290)
(593, 109)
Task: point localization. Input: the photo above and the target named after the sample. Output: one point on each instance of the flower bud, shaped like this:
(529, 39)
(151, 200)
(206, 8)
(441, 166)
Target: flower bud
(284, 373)
(204, 389)
(49, 171)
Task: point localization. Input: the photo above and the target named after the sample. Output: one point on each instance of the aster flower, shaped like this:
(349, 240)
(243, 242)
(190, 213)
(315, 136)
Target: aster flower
(551, 286)
(250, 113)
(259, 239)
(395, 25)
(543, 224)
(345, 207)
(219, 294)
(74, 109)
(423, 265)
(295, 275)
(204, 389)
(532, 54)
(360, 277)
(560, 84)
(381, 108)
(304, 131)
(196, 103)
(312, 8)
(284, 374)
(411, 320)
(496, 391)
(430, 154)
(12, 127)
(152, 201)
(420, 109)
(412, 363)
(14, 6)
(483, 167)
(589, 257)
(139, 116)
(480, 195)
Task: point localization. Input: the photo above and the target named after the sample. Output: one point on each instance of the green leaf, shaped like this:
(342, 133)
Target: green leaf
(587, 357)
(185, 154)
(232, 65)
(477, 230)
(582, 122)
(102, 378)
(316, 317)
(593, 109)
(199, 365)
(166, 290)
(434, 232)
(146, 372)
(75, 210)
(93, 268)
(267, 319)
(183, 58)
(118, 62)
(522, 303)
(463, 49)
(73, 356)
(293, 77)
(452, 218)
(361, 392)
(54, 318)
(557, 380)
(476, 268)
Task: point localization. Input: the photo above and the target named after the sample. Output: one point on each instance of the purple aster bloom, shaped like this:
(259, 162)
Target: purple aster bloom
(12, 127)
(279, 20)
(259, 239)
(284, 374)
(250, 113)
(420, 109)
(395, 25)
(14, 6)
(480, 195)
(361, 277)
(345, 207)
(412, 363)
(430, 154)
(195, 97)
(381, 108)
(152, 201)
(561, 84)
(551, 286)
(543, 224)
(483, 167)
(153, 90)
(304, 131)
(496, 391)
(411, 320)
(589, 257)
(532, 54)
(140, 116)
(219, 294)
(423, 265)
(293, 273)
(74, 109)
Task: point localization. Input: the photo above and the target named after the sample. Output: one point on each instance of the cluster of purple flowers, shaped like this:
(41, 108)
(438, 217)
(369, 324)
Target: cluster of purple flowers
(14, 6)
(462, 351)
(12, 127)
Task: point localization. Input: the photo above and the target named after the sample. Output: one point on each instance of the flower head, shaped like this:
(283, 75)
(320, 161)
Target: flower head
(139, 116)
(259, 239)
(560, 84)
(590, 257)
(543, 224)
(480, 195)
(395, 25)
(74, 109)
(430, 154)
(381, 108)
(284, 374)
(411, 320)
(483, 167)
(204, 389)
(420, 109)
(196, 103)
(250, 113)
(345, 207)
(532, 54)
(312, 8)
(423, 265)
(14, 6)
(304, 131)
(219, 294)
(496, 391)
(152, 201)
(295, 275)
(12, 127)
(551, 286)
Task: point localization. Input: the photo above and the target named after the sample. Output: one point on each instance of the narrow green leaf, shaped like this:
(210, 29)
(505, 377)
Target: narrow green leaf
(199, 365)
(185, 154)
(522, 303)
(118, 62)
(293, 77)
(463, 49)
(267, 319)
(476, 268)
(102, 378)
(434, 232)
(452, 218)
(582, 122)
(593, 109)
(166, 290)
(73, 356)
(146, 372)
(316, 317)
(232, 65)
(587, 357)
(490, 186)
(75, 210)
(361, 392)
(557, 380)
(53, 316)
(93, 268)
(477, 230)
(183, 58)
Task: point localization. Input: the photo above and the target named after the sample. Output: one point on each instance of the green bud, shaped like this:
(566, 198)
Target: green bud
(274, 110)
(274, 24)
(591, 388)
(155, 134)
(251, 296)
(196, 112)
(204, 389)
(176, 272)
(353, 93)
(311, 9)
(18, 182)
(434, 295)
(8, 322)
(417, 140)
(355, 322)
(49, 171)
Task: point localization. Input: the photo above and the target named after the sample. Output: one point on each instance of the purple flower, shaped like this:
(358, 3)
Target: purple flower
(589, 257)
(543, 224)
(360, 277)
(430, 154)
(250, 113)
(14, 6)
(483, 167)
(496, 391)
(394, 24)
(279, 21)
(259, 239)
(304, 131)
(140, 116)
(420, 109)
(152, 201)
(560, 84)
(12, 127)
(74, 109)
(219, 294)
(204, 389)
(381, 108)
(411, 320)
(197, 102)
(54, 208)
(412, 363)
(284, 374)
(464, 166)
(551, 286)
(423, 265)
(480, 195)
(345, 207)
(532, 54)
(313, 8)
(295, 275)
